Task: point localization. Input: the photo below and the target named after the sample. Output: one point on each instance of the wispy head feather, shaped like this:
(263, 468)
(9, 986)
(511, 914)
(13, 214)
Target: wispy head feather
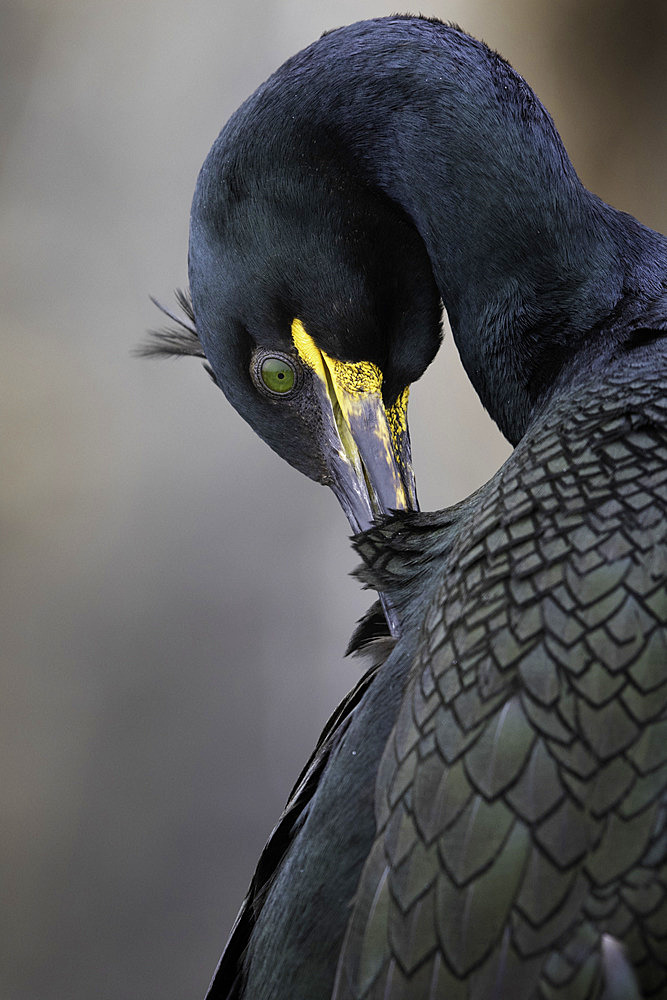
(174, 341)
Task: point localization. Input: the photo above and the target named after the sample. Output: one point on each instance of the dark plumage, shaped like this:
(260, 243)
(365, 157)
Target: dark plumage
(485, 815)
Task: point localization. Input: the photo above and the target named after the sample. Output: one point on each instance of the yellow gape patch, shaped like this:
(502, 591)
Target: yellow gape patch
(397, 418)
(371, 440)
(307, 349)
(355, 377)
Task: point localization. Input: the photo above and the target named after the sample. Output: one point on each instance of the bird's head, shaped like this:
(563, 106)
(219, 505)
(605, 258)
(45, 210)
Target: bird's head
(315, 305)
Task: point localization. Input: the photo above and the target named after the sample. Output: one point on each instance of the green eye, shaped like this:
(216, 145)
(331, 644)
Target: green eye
(277, 374)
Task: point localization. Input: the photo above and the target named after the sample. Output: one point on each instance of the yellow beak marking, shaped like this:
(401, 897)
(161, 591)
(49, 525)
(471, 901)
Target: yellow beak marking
(307, 349)
(397, 418)
(354, 378)
(351, 384)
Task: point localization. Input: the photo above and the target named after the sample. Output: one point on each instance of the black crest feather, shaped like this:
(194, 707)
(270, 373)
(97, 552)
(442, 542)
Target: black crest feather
(174, 341)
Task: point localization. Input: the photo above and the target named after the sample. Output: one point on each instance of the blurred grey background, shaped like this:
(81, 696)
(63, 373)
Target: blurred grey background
(175, 600)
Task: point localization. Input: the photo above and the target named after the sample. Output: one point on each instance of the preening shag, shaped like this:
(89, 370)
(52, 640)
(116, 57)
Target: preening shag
(485, 815)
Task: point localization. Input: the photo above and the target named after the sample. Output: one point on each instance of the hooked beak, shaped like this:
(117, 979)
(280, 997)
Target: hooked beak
(370, 466)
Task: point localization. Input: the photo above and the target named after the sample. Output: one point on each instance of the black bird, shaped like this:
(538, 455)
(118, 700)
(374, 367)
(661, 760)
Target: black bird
(485, 815)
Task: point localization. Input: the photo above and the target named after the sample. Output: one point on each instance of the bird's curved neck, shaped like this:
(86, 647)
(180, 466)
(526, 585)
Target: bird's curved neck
(530, 265)
(527, 261)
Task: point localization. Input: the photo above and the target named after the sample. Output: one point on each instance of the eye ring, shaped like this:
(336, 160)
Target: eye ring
(276, 374)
